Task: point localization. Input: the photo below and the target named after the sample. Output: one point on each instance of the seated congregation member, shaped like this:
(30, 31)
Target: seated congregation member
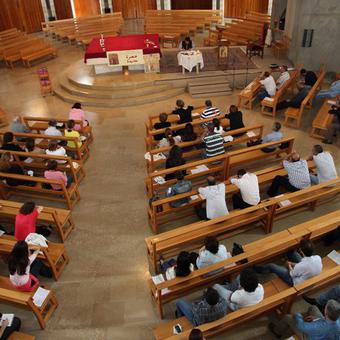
(217, 126)
(9, 144)
(273, 136)
(77, 113)
(235, 118)
(334, 128)
(332, 92)
(24, 268)
(182, 267)
(7, 167)
(214, 142)
(308, 78)
(212, 252)
(300, 266)
(210, 111)
(323, 298)
(26, 222)
(18, 126)
(52, 129)
(298, 175)
(244, 291)
(174, 159)
(56, 150)
(269, 86)
(32, 148)
(310, 325)
(6, 330)
(184, 114)
(215, 205)
(296, 101)
(54, 174)
(180, 187)
(196, 334)
(249, 190)
(187, 44)
(70, 131)
(284, 77)
(188, 134)
(325, 167)
(209, 308)
(169, 139)
(162, 124)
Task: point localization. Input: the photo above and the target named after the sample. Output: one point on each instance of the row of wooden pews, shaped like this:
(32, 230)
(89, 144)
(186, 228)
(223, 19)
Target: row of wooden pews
(19, 46)
(190, 237)
(55, 255)
(83, 29)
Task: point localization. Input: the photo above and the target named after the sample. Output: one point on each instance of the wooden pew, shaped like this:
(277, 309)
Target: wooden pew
(249, 133)
(70, 166)
(61, 219)
(54, 256)
(227, 162)
(268, 105)
(322, 120)
(69, 196)
(295, 114)
(170, 243)
(82, 153)
(8, 294)
(247, 96)
(160, 212)
(21, 336)
(40, 124)
(38, 52)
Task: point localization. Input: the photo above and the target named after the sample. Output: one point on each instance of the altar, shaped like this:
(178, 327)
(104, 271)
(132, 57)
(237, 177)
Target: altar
(137, 52)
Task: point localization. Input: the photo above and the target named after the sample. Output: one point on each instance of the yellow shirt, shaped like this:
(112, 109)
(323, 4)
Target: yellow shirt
(72, 133)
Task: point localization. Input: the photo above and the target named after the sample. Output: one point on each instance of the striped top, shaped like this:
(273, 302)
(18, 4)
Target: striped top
(214, 145)
(210, 112)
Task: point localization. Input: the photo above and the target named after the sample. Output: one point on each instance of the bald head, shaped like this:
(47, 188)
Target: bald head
(295, 157)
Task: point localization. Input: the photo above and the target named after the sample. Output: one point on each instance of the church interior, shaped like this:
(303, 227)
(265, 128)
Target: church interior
(169, 169)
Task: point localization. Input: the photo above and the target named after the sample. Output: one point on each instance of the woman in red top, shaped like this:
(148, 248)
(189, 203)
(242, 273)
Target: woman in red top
(25, 222)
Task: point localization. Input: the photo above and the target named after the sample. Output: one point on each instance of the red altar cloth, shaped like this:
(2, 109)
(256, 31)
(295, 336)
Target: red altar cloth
(123, 43)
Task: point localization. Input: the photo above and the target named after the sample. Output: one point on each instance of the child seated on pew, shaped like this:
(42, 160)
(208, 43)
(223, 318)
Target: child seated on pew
(24, 268)
(26, 222)
(162, 124)
(169, 139)
(77, 113)
(244, 291)
(54, 174)
(70, 131)
(57, 150)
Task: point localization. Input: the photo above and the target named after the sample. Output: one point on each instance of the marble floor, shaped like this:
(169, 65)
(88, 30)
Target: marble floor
(103, 292)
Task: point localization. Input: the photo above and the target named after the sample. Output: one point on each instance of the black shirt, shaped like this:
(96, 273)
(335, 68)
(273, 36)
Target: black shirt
(236, 121)
(170, 163)
(158, 126)
(184, 114)
(310, 78)
(336, 113)
(11, 147)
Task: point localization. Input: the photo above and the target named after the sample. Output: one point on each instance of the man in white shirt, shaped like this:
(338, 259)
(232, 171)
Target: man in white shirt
(269, 85)
(214, 194)
(284, 76)
(325, 166)
(245, 291)
(301, 265)
(249, 190)
(52, 130)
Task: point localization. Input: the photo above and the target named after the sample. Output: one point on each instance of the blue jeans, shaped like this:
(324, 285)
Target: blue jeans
(183, 308)
(332, 294)
(281, 271)
(262, 94)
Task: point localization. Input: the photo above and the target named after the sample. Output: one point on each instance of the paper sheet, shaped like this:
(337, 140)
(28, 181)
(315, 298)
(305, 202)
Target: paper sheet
(1, 232)
(284, 203)
(194, 197)
(195, 114)
(199, 168)
(334, 256)
(8, 317)
(251, 134)
(331, 102)
(40, 296)
(268, 99)
(228, 139)
(159, 180)
(157, 279)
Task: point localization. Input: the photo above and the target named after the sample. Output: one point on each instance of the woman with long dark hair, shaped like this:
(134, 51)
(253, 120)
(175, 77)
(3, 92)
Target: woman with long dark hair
(175, 159)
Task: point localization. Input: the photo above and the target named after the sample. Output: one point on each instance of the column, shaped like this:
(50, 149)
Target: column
(48, 9)
(105, 6)
(219, 5)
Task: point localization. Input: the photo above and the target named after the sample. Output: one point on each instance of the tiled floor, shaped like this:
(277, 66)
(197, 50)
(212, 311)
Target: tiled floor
(103, 293)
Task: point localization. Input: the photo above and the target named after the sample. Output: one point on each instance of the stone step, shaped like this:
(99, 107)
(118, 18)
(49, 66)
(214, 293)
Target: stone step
(110, 93)
(214, 94)
(117, 102)
(209, 81)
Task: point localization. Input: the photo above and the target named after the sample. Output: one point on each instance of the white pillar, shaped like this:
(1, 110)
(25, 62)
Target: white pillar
(46, 15)
(167, 4)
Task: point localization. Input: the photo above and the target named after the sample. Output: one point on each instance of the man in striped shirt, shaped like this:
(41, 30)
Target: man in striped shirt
(214, 142)
(209, 111)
